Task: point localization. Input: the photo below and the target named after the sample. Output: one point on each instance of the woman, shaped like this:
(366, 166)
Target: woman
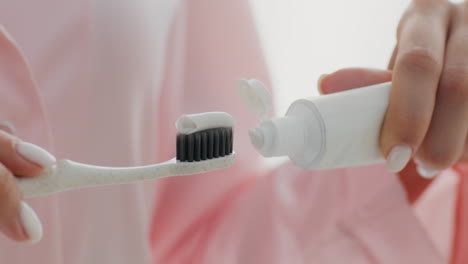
(103, 81)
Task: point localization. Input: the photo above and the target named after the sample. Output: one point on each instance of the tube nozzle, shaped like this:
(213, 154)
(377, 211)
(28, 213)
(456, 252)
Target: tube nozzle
(256, 138)
(278, 137)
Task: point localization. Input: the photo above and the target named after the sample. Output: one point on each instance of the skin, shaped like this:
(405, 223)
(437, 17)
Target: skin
(428, 108)
(12, 164)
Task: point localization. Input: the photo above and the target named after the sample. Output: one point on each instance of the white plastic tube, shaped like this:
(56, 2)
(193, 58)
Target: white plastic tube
(330, 131)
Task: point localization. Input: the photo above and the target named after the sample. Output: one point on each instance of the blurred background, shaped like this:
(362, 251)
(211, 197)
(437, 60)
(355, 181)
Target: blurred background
(303, 39)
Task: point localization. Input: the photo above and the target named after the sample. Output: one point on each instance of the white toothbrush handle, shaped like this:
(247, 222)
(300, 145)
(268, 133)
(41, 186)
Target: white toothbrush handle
(67, 174)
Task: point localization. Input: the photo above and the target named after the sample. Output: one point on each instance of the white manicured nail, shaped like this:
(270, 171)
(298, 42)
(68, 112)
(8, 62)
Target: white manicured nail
(35, 154)
(319, 82)
(398, 158)
(7, 127)
(31, 224)
(425, 171)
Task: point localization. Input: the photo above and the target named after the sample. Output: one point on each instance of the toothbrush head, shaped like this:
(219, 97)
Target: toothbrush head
(204, 136)
(204, 145)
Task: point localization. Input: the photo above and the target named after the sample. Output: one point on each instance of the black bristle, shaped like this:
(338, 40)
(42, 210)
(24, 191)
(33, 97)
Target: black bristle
(178, 147)
(203, 145)
(226, 144)
(190, 147)
(230, 141)
(182, 148)
(216, 142)
(210, 144)
(197, 148)
(223, 141)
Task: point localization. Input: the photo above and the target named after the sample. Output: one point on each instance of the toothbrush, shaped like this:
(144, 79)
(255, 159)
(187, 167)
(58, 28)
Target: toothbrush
(204, 143)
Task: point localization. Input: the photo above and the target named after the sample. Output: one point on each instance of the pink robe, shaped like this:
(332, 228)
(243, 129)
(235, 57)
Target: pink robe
(102, 82)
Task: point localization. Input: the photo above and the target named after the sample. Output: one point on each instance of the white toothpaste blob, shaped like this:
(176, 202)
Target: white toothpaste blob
(188, 124)
(256, 138)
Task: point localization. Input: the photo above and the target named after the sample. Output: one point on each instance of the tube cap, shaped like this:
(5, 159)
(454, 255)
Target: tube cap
(255, 97)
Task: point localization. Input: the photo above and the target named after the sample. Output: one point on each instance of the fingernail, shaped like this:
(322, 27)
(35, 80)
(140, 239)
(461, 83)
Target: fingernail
(425, 171)
(35, 154)
(319, 82)
(7, 127)
(30, 222)
(398, 158)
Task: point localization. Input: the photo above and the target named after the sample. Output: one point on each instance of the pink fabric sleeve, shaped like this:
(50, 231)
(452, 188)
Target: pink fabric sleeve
(19, 98)
(460, 254)
(247, 214)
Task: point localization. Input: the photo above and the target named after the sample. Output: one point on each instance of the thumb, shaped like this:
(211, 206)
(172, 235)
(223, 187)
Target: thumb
(351, 78)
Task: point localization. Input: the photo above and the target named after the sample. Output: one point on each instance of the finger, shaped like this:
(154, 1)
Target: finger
(351, 78)
(444, 143)
(418, 65)
(21, 158)
(464, 157)
(391, 63)
(7, 127)
(17, 220)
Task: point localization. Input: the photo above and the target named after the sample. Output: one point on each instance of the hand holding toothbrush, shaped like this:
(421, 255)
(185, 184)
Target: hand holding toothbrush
(204, 143)
(19, 159)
